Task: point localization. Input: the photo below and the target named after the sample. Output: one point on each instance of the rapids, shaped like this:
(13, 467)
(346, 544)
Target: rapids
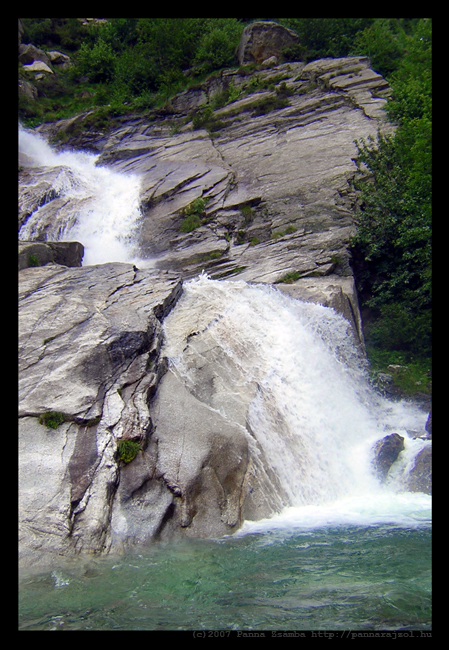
(102, 206)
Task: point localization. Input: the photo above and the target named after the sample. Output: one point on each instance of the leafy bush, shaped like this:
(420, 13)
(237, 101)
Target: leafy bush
(324, 37)
(96, 61)
(193, 214)
(127, 450)
(52, 419)
(218, 45)
(190, 223)
(205, 119)
(381, 45)
(268, 104)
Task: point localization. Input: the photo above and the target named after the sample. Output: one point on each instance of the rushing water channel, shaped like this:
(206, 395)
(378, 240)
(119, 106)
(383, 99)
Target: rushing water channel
(346, 554)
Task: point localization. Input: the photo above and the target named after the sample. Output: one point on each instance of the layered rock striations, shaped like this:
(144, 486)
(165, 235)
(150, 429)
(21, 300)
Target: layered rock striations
(271, 172)
(267, 178)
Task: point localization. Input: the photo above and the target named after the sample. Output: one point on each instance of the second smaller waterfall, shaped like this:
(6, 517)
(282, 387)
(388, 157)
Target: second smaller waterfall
(94, 205)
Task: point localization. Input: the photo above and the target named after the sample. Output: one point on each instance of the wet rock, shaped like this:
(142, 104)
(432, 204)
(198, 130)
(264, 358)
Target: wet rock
(420, 476)
(429, 425)
(386, 452)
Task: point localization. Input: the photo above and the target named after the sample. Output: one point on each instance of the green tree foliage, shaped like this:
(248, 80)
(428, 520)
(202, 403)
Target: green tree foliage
(381, 44)
(218, 45)
(324, 37)
(392, 249)
(97, 61)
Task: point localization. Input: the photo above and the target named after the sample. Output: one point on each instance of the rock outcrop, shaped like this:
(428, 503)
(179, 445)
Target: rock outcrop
(89, 342)
(420, 475)
(386, 452)
(43, 253)
(274, 169)
(265, 41)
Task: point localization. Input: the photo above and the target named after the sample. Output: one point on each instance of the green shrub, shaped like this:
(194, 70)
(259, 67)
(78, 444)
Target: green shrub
(283, 90)
(97, 61)
(33, 260)
(247, 213)
(127, 450)
(219, 43)
(268, 104)
(194, 213)
(205, 119)
(52, 419)
(190, 223)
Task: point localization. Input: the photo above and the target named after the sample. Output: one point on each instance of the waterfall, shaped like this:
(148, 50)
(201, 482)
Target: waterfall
(97, 206)
(315, 415)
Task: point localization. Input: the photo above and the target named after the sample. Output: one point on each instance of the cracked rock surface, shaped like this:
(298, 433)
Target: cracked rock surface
(278, 199)
(89, 342)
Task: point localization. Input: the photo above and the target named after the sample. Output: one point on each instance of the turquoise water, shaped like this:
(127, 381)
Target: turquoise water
(342, 578)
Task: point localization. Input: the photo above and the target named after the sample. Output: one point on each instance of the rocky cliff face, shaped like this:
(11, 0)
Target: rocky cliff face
(273, 171)
(89, 342)
(267, 189)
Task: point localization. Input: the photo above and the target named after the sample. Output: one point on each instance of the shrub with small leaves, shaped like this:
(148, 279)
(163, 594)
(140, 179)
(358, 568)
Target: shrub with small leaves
(52, 419)
(127, 450)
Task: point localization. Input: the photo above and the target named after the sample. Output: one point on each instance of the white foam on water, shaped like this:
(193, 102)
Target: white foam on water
(103, 210)
(315, 414)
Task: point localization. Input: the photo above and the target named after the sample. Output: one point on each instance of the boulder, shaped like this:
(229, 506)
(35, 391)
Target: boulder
(38, 66)
(386, 452)
(420, 476)
(42, 253)
(29, 54)
(264, 39)
(58, 59)
(21, 31)
(26, 89)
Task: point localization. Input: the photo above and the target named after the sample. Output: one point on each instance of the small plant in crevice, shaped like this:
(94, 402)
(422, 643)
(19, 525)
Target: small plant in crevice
(190, 223)
(268, 104)
(289, 278)
(52, 419)
(205, 119)
(281, 233)
(240, 237)
(194, 214)
(234, 271)
(127, 450)
(33, 260)
(247, 212)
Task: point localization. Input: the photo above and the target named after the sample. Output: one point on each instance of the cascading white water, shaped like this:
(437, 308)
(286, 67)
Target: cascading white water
(102, 206)
(315, 414)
